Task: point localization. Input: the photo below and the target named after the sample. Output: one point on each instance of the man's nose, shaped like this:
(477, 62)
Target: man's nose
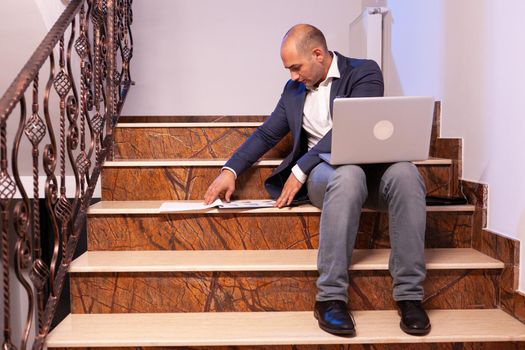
(294, 75)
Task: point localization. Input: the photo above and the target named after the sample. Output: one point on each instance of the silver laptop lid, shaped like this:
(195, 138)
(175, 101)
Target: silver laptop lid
(381, 129)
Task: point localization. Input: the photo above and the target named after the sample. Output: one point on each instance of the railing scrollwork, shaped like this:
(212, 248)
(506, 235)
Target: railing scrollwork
(69, 128)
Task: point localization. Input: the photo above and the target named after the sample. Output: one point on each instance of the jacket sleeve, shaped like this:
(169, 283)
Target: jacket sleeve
(264, 137)
(368, 83)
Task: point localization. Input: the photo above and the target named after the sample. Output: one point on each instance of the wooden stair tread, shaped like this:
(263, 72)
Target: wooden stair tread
(221, 162)
(264, 260)
(153, 207)
(191, 125)
(274, 328)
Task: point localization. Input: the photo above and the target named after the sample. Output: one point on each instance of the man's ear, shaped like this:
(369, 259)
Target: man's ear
(318, 54)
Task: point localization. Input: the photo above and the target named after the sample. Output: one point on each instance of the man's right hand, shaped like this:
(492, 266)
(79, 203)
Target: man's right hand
(223, 184)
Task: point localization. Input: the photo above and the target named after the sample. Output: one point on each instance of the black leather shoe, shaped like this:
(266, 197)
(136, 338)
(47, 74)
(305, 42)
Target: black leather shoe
(334, 317)
(414, 319)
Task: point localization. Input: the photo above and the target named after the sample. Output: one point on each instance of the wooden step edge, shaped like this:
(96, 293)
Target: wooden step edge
(265, 260)
(190, 125)
(153, 208)
(220, 162)
(144, 163)
(274, 328)
(193, 119)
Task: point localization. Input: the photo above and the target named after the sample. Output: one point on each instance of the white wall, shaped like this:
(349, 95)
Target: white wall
(18, 39)
(470, 54)
(221, 57)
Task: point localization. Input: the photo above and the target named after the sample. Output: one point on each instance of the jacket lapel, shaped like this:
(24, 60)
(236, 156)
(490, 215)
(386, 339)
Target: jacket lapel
(297, 115)
(336, 82)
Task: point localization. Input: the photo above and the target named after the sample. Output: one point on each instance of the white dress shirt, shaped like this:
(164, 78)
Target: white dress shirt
(317, 120)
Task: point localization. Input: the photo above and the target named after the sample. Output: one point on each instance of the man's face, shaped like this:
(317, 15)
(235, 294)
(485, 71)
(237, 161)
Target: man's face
(306, 68)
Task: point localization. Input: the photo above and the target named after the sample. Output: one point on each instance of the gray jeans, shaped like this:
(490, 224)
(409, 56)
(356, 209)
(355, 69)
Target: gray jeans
(341, 192)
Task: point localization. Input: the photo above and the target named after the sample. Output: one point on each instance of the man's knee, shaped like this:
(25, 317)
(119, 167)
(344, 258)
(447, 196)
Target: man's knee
(404, 175)
(349, 179)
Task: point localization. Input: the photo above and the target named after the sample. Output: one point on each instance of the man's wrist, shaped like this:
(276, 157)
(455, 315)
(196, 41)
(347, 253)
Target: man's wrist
(299, 175)
(231, 170)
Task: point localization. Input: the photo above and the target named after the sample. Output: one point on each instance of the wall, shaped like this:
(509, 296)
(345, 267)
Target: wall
(470, 55)
(23, 25)
(18, 39)
(221, 57)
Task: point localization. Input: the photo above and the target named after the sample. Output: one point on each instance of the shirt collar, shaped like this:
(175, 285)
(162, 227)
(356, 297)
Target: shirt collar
(333, 72)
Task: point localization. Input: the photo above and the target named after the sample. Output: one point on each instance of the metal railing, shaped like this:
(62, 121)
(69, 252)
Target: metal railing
(78, 144)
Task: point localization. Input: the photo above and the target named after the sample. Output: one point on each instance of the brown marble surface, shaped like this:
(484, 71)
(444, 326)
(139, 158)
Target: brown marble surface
(499, 247)
(256, 231)
(447, 148)
(436, 123)
(172, 183)
(506, 250)
(450, 149)
(414, 346)
(518, 305)
(477, 195)
(265, 291)
(176, 143)
(177, 183)
(496, 246)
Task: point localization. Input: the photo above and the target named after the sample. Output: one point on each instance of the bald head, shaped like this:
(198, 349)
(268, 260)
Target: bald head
(304, 53)
(304, 38)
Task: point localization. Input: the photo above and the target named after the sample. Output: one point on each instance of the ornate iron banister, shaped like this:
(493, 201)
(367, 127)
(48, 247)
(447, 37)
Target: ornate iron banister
(77, 146)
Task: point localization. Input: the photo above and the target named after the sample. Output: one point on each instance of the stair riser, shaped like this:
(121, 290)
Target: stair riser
(417, 346)
(199, 142)
(450, 149)
(261, 231)
(266, 291)
(177, 183)
(176, 143)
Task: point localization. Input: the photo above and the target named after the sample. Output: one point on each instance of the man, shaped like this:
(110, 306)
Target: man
(304, 109)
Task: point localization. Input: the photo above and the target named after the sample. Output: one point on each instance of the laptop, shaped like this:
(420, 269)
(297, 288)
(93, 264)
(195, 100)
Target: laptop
(380, 130)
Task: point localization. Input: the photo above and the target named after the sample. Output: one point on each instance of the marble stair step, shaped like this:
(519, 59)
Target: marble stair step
(269, 280)
(187, 140)
(154, 207)
(139, 225)
(274, 328)
(264, 260)
(189, 178)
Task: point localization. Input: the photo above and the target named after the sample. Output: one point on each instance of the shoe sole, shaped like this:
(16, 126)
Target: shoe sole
(339, 332)
(411, 331)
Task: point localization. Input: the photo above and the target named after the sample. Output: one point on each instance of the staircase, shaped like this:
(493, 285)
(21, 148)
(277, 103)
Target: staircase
(246, 278)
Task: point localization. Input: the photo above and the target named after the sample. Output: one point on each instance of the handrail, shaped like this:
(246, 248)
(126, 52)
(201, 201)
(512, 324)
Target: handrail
(82, 139)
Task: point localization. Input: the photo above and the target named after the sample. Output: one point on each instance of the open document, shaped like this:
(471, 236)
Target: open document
(177, 206)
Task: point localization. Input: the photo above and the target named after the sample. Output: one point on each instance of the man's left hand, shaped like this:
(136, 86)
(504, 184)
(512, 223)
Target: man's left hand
(290, 189)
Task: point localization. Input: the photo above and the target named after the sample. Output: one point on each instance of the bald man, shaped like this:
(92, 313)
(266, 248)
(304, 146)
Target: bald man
(304, 110)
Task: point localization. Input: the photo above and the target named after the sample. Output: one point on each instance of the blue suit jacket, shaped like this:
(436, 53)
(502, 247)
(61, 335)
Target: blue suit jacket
(359, 78)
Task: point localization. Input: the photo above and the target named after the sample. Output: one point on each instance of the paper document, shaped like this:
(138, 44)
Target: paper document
(182, 206)
(251, 203)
